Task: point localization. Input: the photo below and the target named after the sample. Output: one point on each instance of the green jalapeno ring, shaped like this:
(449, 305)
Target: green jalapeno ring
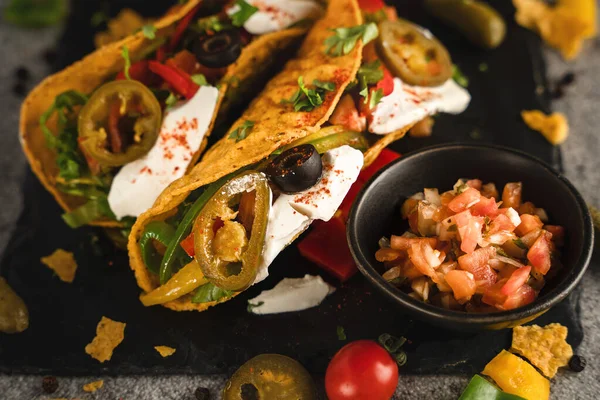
(161, 232)
(94, 116)
(218, 206)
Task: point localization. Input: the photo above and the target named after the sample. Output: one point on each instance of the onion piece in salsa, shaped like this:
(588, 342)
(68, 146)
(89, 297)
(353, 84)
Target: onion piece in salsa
(472, 248)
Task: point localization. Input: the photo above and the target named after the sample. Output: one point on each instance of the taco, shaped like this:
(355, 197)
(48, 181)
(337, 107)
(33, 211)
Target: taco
(289, 160)
(109, 133)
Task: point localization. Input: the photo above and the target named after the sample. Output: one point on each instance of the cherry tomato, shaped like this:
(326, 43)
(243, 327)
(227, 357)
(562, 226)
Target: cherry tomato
(361, 370)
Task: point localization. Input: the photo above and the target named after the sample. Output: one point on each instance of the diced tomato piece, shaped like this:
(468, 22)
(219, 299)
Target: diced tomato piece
(486, 207)
(442, 213)
(404, 243)
(462, 284)
(371, 5)
(188, 245)
(477, 264)
(526, 208)
(346, 114)
(387, 83)
(558, 234)
(493, 295)
(464, 200)
(489, 190)
(523, 296)
(462, 219)
(326, 246)
(346, 205)
(469, 228)
(501, 223)
(511, 195)
(539, 254)
(385, 157)
(517, 279)
(410, 271)
(475, 183)
(417, 255)
(185, 61)
(528, 223)
(531, 237)
(446, 198)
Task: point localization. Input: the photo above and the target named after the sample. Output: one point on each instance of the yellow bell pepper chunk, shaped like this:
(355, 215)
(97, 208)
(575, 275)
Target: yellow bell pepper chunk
(183, 282)
(554, 127)
(516, 376)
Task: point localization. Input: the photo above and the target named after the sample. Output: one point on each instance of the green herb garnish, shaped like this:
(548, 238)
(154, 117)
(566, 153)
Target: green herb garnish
(376, 97)
(341, 334)
(91, 211)
(459, 77)
(344, 39)
(500, 251)
(462, 188)
(149, 31)
(212, 24)
(307, 99)
(199, 80)
(244, 13)
(242, 131)
(171, 101)
(368, 74)
(209, 292)
(519, 243)
(125, 55)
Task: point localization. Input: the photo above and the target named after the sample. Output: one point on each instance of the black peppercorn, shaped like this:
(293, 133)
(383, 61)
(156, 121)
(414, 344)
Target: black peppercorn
(49, 384)
(567, 79)
(49, 56)
(577, 363)
(202, 393)
(19, 89)
(22, 73)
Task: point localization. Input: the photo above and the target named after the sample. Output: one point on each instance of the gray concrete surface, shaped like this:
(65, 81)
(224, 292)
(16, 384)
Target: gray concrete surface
(582, 166)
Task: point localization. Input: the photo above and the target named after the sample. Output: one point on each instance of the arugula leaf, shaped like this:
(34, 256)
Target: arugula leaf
(243, 14)
(35, 13)
(519, 243)
(149, 31)
(209, 292)
(344, 39)
(307, 99)
(242, 131)
(125, 55)
(200, 80)
(369, 74)
(251, 307)
(90, 211)
(341, 334)
(212, 24)
(376, 97)
(459, 77)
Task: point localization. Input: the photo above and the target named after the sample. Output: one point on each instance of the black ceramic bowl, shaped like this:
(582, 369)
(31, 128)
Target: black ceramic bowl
(376, 213)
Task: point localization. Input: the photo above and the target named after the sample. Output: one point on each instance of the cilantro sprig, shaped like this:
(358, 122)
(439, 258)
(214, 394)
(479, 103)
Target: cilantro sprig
(243, 14)
(149, 31)
(242, 131)
(125, 55)
(306, 99)
(212, 24)
(199, 80)
(344, 39)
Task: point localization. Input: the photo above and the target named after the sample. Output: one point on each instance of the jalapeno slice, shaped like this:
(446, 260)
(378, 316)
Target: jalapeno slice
(228, 254)
(413, 53)
(114, 108)
(273, 377)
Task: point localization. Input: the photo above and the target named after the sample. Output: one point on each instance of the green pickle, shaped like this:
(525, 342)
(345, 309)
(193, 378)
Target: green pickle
(481, 24)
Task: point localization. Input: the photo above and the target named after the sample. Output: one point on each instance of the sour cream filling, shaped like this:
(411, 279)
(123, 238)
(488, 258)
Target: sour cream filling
(409, 104)
(292, 214)
(291, 294)
(138, 184)
(275, 15)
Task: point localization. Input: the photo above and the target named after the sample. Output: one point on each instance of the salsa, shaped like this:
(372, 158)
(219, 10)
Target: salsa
(472, 248)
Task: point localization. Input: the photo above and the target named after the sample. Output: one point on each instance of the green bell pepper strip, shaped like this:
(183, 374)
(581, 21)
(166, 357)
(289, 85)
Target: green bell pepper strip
(480, 388)
(329, 142)
(161, 232)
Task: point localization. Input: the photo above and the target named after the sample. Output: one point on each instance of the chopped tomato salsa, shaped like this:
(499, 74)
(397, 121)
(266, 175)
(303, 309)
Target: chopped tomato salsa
(467, 249)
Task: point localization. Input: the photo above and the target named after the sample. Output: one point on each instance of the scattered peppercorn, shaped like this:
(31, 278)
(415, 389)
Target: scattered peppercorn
(49, 56)
(22, 73)
(202, 393)
(566, 80)
(49, 384)
(577, 363)
(19, 89)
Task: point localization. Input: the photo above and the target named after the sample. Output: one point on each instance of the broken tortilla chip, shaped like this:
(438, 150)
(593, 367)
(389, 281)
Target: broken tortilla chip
(93, 386)
(62, 263)
(554, 127)
(165, 351)
(109, 334)
(563, 26)
(546, 348)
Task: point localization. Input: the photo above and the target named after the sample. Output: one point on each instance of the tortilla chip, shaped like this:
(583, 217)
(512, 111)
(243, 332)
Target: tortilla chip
(62, 263)
(546, 348)
(276, 125)
(554, 127)
(119, 27)
(165, 351)
(109, 334)
(93, 70)
(563, 26)
(93, 386)
(383, 142)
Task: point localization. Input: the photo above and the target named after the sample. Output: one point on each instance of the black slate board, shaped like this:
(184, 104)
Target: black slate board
(64, 316)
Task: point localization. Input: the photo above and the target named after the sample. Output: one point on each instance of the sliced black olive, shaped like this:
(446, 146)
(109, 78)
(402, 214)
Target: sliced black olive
(218, 50)
(296, 169)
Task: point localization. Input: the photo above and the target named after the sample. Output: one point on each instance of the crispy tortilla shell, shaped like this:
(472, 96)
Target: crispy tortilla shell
(99, 66)
(275, 125)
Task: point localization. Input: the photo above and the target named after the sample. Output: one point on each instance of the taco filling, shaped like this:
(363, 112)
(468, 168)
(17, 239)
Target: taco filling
(120, 145)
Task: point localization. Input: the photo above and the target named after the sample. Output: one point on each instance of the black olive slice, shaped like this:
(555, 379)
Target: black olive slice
(218, 50)
(296, 169)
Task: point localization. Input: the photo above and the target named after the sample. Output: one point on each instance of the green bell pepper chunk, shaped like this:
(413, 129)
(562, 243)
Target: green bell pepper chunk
(481, 389)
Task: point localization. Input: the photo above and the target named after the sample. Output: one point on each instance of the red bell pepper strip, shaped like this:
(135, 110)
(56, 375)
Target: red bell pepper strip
(371, 5)
(181, 27)
(326, 246)
(188, 245)
(161, 53)
(178, 80)
(139, 71)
